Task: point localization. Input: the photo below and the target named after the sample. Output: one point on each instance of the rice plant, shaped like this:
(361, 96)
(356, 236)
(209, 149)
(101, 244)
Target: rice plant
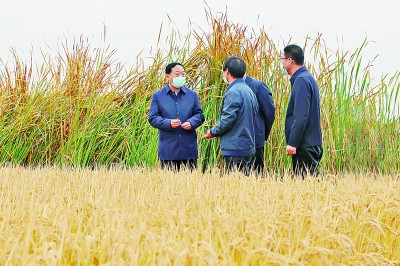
(142, 216)
(83, 109)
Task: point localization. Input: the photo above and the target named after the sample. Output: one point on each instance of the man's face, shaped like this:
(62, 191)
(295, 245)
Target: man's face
(285, 60)
(224, 75)
(177, 71)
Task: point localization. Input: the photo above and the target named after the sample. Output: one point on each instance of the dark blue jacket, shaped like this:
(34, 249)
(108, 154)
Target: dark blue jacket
(237, 118)
(176, 143)
(303, 120)
(266, 112)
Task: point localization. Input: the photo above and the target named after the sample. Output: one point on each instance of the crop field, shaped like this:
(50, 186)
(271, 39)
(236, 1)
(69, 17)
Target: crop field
(54, 216)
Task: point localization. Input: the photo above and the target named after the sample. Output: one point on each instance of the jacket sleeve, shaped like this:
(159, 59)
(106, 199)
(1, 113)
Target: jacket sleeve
(302, 101)
(267, 107)
(229, 116)
(198, 117)
(155, 119)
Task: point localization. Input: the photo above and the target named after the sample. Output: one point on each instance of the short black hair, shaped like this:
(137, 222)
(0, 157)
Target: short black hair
(235, 65)
(170, 66)
(295, 52)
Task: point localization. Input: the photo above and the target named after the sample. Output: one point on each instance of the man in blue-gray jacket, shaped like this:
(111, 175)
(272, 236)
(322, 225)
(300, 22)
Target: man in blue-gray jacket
(176, 111)
(303, 119)
(236, 127)
(265, 118)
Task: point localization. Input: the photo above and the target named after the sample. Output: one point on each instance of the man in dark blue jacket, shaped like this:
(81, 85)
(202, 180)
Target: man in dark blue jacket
(265, 118)
(303, 120)
(176, 111)
(236, 127)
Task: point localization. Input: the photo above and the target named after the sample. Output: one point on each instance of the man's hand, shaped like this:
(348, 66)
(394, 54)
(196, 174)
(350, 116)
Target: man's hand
(175, 123)
(208, 135)
(290, 150)
(186, 126)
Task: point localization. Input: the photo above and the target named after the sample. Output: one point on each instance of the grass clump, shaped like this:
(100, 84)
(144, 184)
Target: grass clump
(82, 108)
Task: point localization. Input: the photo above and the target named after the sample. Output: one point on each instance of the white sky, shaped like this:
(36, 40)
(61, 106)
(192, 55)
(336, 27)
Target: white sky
(132, 26)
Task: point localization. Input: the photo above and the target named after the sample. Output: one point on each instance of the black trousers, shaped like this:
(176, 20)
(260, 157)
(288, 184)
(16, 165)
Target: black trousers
(258, 165)
(239, 163)
(306, 161)
(177, 165)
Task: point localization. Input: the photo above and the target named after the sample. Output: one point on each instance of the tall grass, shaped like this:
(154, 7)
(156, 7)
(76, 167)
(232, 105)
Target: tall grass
(84, 109)
(145, 216)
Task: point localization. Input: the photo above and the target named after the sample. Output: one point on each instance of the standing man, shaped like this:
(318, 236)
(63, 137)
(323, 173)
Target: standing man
(303, 120)
(265, 119)
(236, 127)
(176, 111)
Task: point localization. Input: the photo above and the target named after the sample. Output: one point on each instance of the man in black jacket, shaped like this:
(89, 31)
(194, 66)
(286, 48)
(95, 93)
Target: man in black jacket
(264, 120)
(303, 119)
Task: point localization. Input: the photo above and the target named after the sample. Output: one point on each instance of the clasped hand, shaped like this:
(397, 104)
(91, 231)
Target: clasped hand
(177, 122)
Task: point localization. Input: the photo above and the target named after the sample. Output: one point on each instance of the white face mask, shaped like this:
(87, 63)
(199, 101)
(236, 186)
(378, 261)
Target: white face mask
(283, 70)
(178, 82)
(224, 78)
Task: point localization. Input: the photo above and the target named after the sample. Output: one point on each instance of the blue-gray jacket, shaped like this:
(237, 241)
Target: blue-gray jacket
(266, 112)
(176, 143)
(303, 120)
(237, 120)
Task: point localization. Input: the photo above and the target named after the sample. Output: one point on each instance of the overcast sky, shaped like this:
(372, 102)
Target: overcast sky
(133, 26)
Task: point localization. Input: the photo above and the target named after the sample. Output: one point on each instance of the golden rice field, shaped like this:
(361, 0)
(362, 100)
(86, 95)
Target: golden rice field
(142, 216)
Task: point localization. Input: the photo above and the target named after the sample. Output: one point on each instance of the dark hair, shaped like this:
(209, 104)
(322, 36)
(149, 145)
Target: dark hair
(170, 66)
(235, 65)
(295, 52)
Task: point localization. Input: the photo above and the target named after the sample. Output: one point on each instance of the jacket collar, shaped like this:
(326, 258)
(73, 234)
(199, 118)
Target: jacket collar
(238, 80)
(248, 80)
(167, 89)
(297, 73)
